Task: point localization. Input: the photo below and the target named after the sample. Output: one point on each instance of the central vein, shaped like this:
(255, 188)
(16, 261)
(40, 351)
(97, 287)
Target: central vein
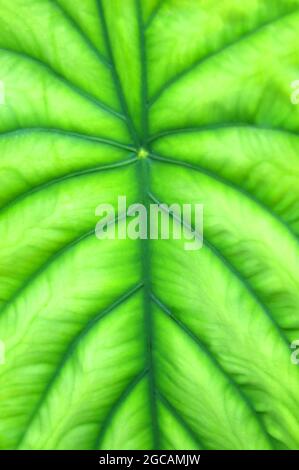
(143, 165)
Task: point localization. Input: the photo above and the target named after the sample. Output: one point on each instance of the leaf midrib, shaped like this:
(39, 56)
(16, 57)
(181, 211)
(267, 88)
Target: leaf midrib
(144, 185)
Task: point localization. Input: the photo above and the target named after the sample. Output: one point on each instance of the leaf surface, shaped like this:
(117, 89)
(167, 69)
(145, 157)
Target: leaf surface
(140, 344)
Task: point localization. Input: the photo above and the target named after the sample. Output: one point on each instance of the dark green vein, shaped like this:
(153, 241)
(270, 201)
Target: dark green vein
(203, 60)
(116, 79)
(154, 14)
(220, 179)
(65, 249)
(66, 177)
(62, 132)
(233, 270)
(43, 268)
(116, 406)
(180, 419)
(221, 126)
(143, 178)
(79, 91)
(144, 91)
(203, 347)
(84, 37)
(70, 351)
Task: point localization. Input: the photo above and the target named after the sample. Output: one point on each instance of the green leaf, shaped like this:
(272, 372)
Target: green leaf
(140, 344)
